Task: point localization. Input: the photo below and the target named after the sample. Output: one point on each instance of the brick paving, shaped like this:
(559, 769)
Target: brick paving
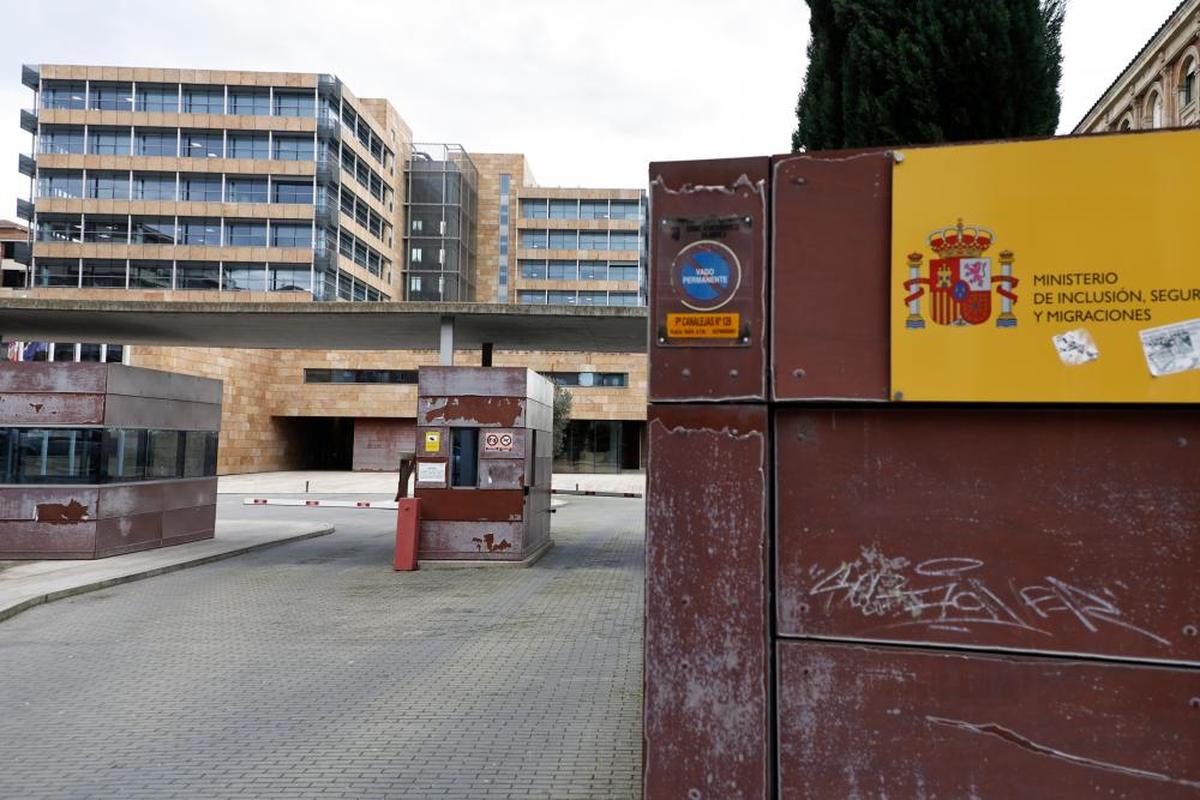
(312, 670)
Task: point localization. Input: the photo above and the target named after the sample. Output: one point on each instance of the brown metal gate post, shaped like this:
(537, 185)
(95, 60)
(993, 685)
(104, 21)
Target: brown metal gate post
(986, 593)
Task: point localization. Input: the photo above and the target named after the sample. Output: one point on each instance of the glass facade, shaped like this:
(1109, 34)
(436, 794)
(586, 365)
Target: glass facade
(601, 446)
(104, 455)
(441, 205)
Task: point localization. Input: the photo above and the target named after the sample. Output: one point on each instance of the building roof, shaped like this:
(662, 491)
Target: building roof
(1136, 58)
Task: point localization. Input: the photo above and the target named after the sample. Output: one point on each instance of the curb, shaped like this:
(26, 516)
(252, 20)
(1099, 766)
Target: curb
(49, 597)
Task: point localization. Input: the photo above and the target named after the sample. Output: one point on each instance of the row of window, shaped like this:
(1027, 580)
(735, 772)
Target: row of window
(357, 127)
(175, 98)
(97, 273)
(66, 351)
(360, 376)
(361, 212)
(204, 187)
(587, 379)
(579, 240)
(366, 177)
(176, 142)
(104, 455)
(578, 298)
(363, 254)
(553, 208)
(565, 270)
(206, 231)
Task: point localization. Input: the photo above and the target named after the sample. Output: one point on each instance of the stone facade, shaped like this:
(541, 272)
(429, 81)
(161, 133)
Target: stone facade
(1159, 88)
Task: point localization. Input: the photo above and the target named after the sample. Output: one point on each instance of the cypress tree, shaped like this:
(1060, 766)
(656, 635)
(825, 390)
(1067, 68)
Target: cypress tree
(893, 72)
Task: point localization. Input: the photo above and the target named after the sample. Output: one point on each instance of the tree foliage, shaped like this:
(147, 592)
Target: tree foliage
(562, 417)
(893, 72)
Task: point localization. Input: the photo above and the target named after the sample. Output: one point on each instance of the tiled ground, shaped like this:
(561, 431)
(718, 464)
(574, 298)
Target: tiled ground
(312, 670)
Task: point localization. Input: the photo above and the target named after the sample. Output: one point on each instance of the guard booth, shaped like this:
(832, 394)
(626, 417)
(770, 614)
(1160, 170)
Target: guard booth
(484, 451)
(924, 473)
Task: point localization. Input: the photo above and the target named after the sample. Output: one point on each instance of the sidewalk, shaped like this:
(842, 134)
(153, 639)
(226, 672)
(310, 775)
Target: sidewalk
(361, 483)
(25, 584)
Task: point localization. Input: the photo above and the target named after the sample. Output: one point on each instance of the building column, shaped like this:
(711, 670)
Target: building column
(446, 342)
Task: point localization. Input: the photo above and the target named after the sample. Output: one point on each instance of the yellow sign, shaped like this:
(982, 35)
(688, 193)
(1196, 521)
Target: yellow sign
(433, 441)
(702, 326)
(1062, 270)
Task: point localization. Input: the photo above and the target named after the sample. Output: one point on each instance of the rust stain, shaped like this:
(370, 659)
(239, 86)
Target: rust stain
(489, 543)
(60, 514)
(37, 407)
(504, 412)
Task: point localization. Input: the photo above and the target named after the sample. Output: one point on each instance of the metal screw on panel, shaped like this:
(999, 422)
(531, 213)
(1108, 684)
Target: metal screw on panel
(733, 373)
(898, 396)
(800, 181)
(1189, 630)
(685, 372)
(899, 157)
(1195, 702)
(798, 373)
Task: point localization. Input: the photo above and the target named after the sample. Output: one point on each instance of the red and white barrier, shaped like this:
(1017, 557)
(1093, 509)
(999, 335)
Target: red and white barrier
(276, 501)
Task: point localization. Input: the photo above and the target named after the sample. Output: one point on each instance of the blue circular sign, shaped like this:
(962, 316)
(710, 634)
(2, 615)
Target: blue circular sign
(708, 273)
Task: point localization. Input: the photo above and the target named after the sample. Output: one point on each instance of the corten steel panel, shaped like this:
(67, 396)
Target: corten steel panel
(47, 503)
(188, 524)
(831, 239)
(378, 443)
(126, 411)
(129, 533)
(33, 409)
(474, 381)
(142, 382)
(707, 656)
(725, 202)
(469, 505)
(50, 377)
(469, 411)
(1059, 530)
(44, 540)
(135, 498)
(471, 541)
(872, 722)
(501, 473)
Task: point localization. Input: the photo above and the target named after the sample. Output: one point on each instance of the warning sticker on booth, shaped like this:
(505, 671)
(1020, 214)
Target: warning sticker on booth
(703, 326)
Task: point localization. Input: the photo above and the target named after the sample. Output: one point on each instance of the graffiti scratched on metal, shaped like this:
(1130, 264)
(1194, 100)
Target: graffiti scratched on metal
(706, 694)
(1062, 531)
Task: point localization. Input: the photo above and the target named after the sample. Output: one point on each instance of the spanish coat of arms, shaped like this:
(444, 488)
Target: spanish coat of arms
(960, 280)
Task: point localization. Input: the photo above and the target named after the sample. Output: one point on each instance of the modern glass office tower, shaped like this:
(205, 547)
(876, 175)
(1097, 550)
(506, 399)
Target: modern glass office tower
(208, 180)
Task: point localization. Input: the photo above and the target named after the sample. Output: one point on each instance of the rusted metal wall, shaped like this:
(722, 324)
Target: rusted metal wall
(936, 600)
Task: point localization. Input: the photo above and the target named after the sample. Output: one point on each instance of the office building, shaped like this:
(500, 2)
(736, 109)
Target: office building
(206, 185)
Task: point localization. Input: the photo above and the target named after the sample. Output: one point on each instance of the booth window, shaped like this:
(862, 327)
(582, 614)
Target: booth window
(464, 458)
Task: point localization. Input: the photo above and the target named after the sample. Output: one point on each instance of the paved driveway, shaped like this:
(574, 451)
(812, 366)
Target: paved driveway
(313, 670)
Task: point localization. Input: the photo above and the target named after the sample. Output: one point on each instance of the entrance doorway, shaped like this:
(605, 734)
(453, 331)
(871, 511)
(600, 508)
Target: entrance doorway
(319, 443)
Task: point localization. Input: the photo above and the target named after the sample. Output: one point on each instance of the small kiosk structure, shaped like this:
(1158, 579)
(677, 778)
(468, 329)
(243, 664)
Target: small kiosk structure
(102, 459)
(484, 452)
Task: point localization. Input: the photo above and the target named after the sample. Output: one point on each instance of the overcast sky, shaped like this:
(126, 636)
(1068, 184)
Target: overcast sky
(590, 92)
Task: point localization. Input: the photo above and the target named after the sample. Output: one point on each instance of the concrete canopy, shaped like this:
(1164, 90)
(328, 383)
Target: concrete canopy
(329, 326)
